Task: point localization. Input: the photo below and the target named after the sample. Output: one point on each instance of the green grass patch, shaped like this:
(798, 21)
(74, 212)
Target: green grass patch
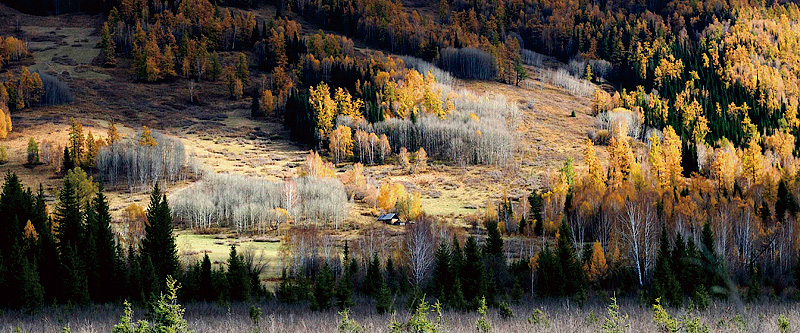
(192, 247)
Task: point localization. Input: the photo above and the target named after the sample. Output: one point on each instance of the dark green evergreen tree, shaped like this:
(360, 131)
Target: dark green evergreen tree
(472, 273)
(71, 238)
(391, 274)
(442, 274)
(237, 277)
(67, 163)
(372, 280)
(103, 281)
(383, 301)
(344, 292)
(323, 289)
(159, 242)
(494, 241)
(574, 277)
(206, 283)
(665, 285)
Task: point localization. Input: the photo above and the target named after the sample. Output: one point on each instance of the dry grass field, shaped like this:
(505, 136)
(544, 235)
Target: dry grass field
(558, 316)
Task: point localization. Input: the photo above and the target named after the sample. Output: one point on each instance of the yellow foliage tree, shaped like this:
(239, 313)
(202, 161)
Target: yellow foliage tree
(146, 138)
(420, 160)
(346, 105)
(656, 159)
(314, 166)
(388, 195)
(752, 162)
(341, 143)
(596, 267)
(672, 155)
(596, 174)
(30, 232)
(267, 102)
(113, 135)
(324, 107)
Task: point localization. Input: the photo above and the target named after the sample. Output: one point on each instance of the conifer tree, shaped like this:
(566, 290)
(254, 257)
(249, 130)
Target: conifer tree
(159, 243)
(344, 291)
(665, 284)
(67, 163)
(323, 289)
(33, 152)
(442, 276)
(494, 241)
(574, 277)
(472, 273)
(373, 279)
(206, 287)
(237, 277)
(383, 301)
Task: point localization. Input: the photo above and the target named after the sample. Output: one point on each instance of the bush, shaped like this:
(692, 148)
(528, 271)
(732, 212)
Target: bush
(468, 63)
(505, 310)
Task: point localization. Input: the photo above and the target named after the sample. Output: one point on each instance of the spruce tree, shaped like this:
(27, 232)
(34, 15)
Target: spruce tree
(456, 300)
(549, 273)
(442, 276)
(456, 258)
(494, 241)
(71, 237)
(472, 274)
(391, 274)
(206, 287)
(323, 289)
(237, 277)
(372, 280)
(344, 292)
(104, 285)
(574, 276)
(67, 163)
(383, 301)
(665, 285)
(159, 242)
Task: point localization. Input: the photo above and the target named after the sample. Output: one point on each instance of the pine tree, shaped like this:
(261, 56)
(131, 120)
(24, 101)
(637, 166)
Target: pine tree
(33, 152)
(107, 45)
(323, 289)
(237, 277)
(372, 280)
(383, 301)
(159, 242)
(442, 276)
(206, 286)
(344, 291)
(665, 284)
(472, 273)
(67, 162)
(494, 241)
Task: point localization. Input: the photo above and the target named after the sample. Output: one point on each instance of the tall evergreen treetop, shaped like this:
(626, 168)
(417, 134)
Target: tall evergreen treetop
(159, 242)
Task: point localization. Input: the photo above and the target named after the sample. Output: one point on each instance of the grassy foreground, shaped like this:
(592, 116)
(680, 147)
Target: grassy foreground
(557, 316)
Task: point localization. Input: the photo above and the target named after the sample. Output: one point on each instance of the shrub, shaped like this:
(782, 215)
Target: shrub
(538, 317)
(615, 322)
(505, 310)
(783, 324)
(347, 325)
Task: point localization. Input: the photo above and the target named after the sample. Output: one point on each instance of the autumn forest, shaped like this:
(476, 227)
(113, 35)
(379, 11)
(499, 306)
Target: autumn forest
(399, 165)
